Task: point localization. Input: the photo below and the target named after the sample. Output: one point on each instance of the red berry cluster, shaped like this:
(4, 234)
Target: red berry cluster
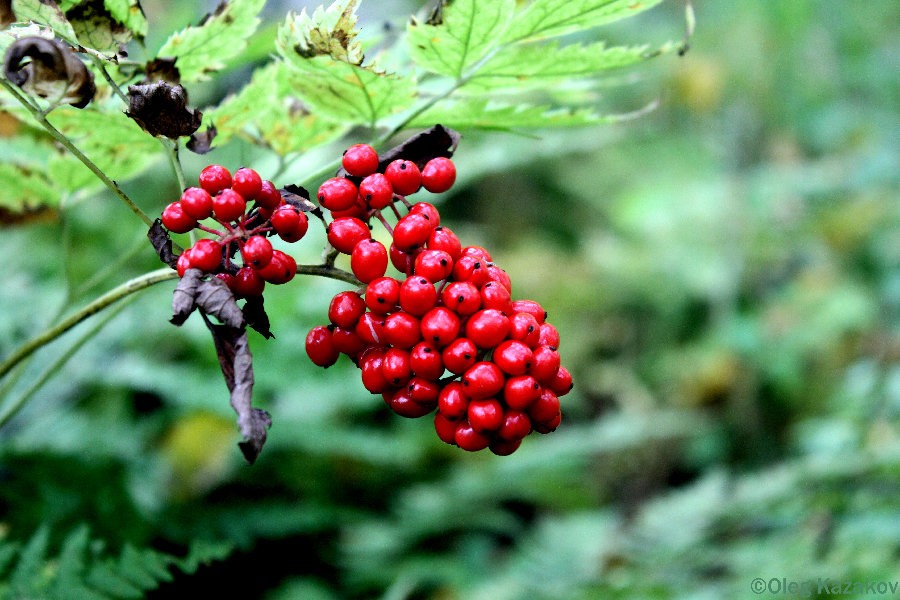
(445, 333)
(224, 198)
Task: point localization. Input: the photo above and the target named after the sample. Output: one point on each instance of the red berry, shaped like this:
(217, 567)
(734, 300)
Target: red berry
(346, 232)
(513, 357)
(550, 425)
(562, 383)
(347, 341)
(256, 252)
(516, 425)
(521, 392)
(372, 377)
(215, 178)
(468, 439)
(247, 183)
(483, 380)
(383, 294)
(370, 328)
(403, 404)
(360, 160)
(268, 196)
(438, 175)
(471, 269)
(289, 223)
(417, 295)
(545, 408)
(525, 328)
(280, 269)
(504, 448)
(228, 205)
(376, 191)
(197, 203)
(176, 220)
(494, 295)
(545, 364)
(412, 231)
(425, 361)
(487, 328)
(497, 274)
(337, 193)
(357, 210)
(440, 325)
(461, 297)
(402, 261)
(532, 307)
(453, 402)
(402, 330)
(395, 367)
(477, 252)
(320, 346)
(405, 176)
(423, 391)
(369, 260)
(433, 265)
(442, 238)
(428, 211)
(485, 415)
(345, 309)
(184, 262)
(459, 355)
(247, 282)
(549, 335)
(445, 428)
(206, 255)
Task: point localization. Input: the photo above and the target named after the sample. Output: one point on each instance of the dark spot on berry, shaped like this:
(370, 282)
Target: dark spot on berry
(423, 281)
(321, 197)
(467, 356)
(552, 348)
(545, 315)
(536, 386)
(443, 262)
(368, 197)
(403, 166)
(427, 350)
(528, 365)
(435, 338)
(380, 300)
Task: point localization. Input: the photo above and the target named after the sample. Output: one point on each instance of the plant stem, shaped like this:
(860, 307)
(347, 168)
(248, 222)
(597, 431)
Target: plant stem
(115, 87)
(114, 295)
(41, 118)
(329, 271)
(10, 410)
(172, 153)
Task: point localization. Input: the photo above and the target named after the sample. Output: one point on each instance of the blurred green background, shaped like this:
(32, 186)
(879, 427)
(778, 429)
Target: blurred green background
(725, 276)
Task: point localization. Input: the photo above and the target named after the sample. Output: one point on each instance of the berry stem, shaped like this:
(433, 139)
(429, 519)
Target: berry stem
(209, 230)
(326, 270)
(111, 297)
(115, 87)
(384, 222)
(68, 145)
(172, 155)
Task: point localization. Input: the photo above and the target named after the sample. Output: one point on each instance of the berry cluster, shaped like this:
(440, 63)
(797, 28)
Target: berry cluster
(445, 333)
(224, 198)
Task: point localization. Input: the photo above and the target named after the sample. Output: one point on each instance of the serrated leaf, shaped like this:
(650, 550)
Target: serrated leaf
(95, 27)
(45, 13)
(24, 578)
(534, 65)
(481, 114)
(551, 18)
(469, 31)
(25, 189)
(130, 14)
(206, 48)
(269, 110)
(326, 76)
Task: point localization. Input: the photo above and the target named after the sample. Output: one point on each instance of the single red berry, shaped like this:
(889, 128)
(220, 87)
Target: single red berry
(562, 383)
(297, 232)
(412, 231)
(405, 176)
(497, 274)
(372, 377)
(468, 439)
(184, 262)
(459, 355)
(370, 328)
(532, 307)
(417, 295)
(445, 429)
(521, 392)
(485, 415)
(369, 260)
(268, 196)
(513, 357)
(494, 295)
(337, 193)
(227, 279)
(516, 425)
(376, 191)
(360, 160)
(433, 265)
(347, 341)
(549, 335)
(228, 205)
(440, 325)
(525, 328)
(206, 255)
(345, 309)
(425, 361)
(289, 223)
(477, 252)
(545, 408)
(545, 364)
(280, 269)
(256, 252)
(442, 238)
(438, 175)
(402, 330)
(423, 391)
(383, 294)
(266, 213)
(358, 210)
(487, 328)
(483, 380)
(176, 220)
(215, 178)
(504, 448)
(197, 203)
(471, 269)
(461, 297)
(247, 282)
(402, 261)
(403, 404)
(395, 367)
(453, 402)
(247, 183)
(548, 426)
(428, 211)
(320, 346)
(346, 232)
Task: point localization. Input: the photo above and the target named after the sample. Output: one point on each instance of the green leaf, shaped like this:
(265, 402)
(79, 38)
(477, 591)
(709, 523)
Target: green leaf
(478, 113)
(95, 27)
(328, 74)
(552, 18)
(537, 65)
(222, 36)
(267, 109)
(26, 577)
(130, 14)
(25, 189)
(45, 13)
(469, 31)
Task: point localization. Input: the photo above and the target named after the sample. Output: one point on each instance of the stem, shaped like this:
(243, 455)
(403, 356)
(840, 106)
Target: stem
(329, 271)
(115, 87)
(172, 155)
(41, 118)
(114, 295)
(10, 410)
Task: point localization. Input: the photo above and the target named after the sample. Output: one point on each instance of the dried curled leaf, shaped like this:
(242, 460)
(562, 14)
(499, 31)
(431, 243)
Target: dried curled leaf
(201, 142)
(212, 296)
(49, 69)
(162, 109)
(256, 317)
(162, 243)
(162, 69)
(7, 16)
